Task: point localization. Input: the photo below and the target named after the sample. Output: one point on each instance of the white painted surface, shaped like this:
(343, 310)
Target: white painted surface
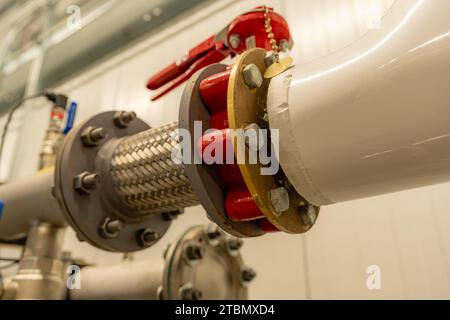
(405, 234)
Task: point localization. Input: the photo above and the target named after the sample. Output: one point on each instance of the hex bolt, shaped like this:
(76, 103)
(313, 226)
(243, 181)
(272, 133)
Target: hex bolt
(270, 58)
(170, 216)
(248, 275)
(91, 136)
(191, 294)
(285, 45)
(147, 238)
(213, 233)
(110, 229)
(308, 214)
(86, 182)
(252, 132)
(194, 252)
(114, 226)
(122, 119)
(279, 198)
(235, 41)
(252, 76)
(235, 244)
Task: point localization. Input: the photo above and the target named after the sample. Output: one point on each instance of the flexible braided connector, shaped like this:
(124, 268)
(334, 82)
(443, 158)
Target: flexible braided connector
(145, 177)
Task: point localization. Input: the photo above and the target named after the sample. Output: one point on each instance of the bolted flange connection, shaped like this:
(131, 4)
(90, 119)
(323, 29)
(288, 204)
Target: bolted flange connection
(91, 136)
(252, 76)
(122, 119)
(147, 238)
(279, 198)
(86, 182)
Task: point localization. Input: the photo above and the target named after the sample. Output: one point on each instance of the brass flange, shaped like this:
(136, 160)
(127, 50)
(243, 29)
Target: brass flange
(246, 106)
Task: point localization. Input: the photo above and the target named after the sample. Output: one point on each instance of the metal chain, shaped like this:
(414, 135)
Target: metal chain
(270, 34)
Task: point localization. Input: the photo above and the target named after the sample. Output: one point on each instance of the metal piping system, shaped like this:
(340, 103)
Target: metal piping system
(202, 264)
(119, 185)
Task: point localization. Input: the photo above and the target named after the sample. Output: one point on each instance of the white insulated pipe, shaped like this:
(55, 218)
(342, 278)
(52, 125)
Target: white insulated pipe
(374, 117)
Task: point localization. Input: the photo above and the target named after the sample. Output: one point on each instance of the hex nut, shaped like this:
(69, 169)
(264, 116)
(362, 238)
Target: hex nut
(279, 198)
(235, 244)
(252, 76)
(235, 41)
(247, 275)
(91, 136)
(122, 119)
(146, 238)
(110, 229)
(308, 215)
(194, 252)
(270, 58)
(187, 292)
(86, 182)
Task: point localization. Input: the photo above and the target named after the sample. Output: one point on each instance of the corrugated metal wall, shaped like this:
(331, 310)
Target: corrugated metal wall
(405, 234)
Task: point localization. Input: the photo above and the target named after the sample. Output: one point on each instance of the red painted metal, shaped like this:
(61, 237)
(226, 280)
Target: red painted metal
(216, 146)
(240, 205)
(231, 175)
(267, 226)
(213, 91)
(219, 120)
(251, 30)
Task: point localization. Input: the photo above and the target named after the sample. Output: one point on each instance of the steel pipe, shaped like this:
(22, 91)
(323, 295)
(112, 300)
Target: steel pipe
(372, 118)
(126, 281)
(27, 200)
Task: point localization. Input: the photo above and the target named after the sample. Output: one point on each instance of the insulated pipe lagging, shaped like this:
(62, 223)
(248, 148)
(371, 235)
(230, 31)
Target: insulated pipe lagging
(374, 117)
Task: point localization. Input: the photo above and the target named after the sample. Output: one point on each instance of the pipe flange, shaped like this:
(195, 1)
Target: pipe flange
(205, 180)
(196, 268)
(287, 210)
(84, 188)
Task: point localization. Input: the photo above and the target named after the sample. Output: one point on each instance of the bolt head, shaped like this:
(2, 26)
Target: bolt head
(235, 41)
(122, 119)
(308, 215)
(235, 244)
(270, 58)
(279, 198)
(189, 293)
(146, 238)
(285, 45)
(253, 139)
(248, 275)
(86, 182)
(194, 252)
(170, 216)
(252, 76)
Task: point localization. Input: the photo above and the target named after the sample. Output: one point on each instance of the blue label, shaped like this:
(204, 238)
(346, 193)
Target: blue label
(2, 205)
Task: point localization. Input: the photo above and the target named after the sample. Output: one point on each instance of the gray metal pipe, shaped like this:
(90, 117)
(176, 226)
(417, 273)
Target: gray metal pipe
(126, 281)
(27, 200)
